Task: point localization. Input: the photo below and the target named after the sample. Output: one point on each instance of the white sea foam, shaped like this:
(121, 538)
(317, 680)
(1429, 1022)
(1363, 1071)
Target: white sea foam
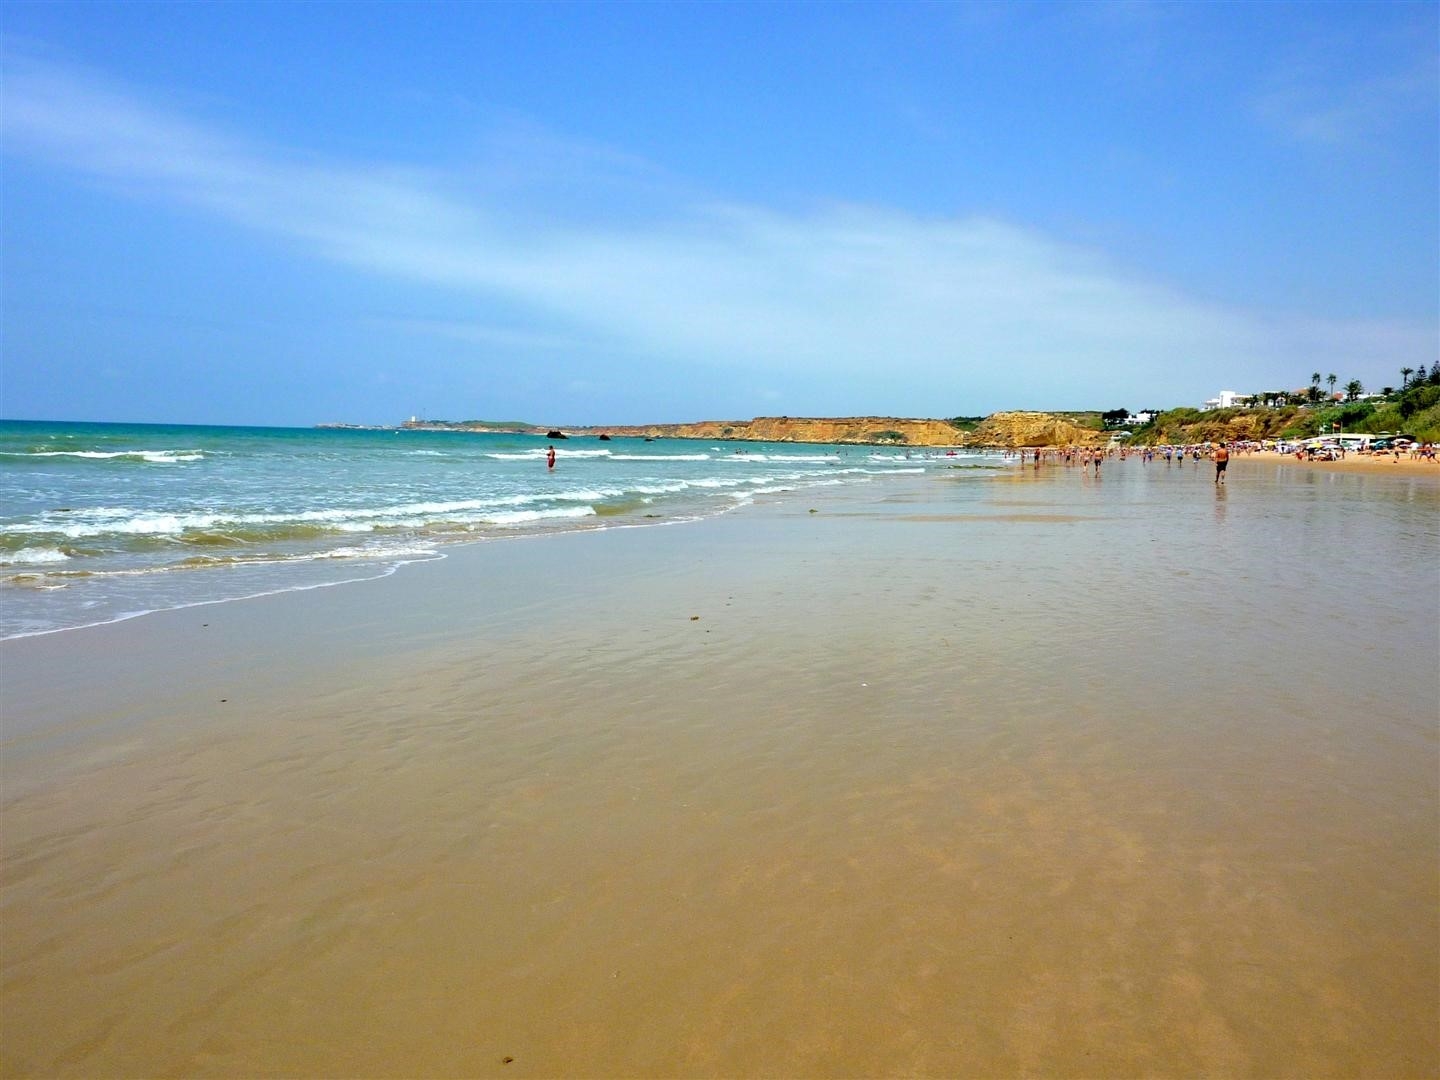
(720, 482)
(667, 488)
(518, 517)
(800, 483)
(541, 452)
(142, 524)
(40, 556)
(376, 552)
(586, 495)
(350, 498)
(119, 521)
(385, 552)
(660, 457)
(157, 457)
(92, 522)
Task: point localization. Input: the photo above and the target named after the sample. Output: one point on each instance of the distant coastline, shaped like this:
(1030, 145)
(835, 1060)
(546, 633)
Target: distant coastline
(1413, 415)
(1000, 430)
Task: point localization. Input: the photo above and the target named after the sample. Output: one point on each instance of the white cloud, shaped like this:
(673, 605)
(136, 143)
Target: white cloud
(487, 335)
(860, 293)
(1317, 97)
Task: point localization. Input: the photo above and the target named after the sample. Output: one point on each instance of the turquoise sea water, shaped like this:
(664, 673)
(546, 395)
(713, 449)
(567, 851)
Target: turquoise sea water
(100, 522)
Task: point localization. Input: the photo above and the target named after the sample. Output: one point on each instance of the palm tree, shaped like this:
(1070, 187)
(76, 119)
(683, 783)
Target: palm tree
(1353, 390)
(1405, 373)
(1332, 381)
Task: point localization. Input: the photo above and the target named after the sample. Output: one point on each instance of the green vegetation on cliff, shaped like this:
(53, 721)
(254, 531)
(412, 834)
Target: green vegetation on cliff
(1186, 425)
(1091, 420)
(965, 423)
(1414, 412)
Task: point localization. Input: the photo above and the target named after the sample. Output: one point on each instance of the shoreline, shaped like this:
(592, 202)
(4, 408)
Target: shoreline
(1352, 464)
(911, 777)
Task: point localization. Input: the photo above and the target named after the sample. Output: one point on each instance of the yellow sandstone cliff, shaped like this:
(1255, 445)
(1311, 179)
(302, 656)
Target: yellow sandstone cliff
(1016, 429)
(1007, 429)
(1012, 429)
(852, 429)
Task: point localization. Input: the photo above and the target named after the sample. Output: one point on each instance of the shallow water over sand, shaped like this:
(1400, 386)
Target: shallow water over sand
(1006, 775)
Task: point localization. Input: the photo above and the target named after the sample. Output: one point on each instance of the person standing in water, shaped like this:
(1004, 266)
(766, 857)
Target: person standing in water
(550, 457)
(1222, 459)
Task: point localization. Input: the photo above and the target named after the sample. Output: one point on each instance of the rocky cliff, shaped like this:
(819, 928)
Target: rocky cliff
(853, 429)
(1009, 430)
(1013, 429)
(1017, 429)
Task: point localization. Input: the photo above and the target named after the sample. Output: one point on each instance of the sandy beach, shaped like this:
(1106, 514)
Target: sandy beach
(1021, 774)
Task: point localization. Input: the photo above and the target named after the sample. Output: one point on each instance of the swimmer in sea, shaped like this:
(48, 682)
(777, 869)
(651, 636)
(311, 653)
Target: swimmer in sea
(550, 458)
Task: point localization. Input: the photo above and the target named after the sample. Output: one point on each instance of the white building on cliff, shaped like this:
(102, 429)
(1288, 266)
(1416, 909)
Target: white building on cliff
(1227, 400)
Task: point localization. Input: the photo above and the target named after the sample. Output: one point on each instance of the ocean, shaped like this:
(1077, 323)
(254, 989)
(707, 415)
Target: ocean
(102, 522)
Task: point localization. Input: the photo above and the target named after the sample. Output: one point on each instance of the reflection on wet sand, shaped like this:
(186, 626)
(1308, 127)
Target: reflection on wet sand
(1059, 801)
(954, 519)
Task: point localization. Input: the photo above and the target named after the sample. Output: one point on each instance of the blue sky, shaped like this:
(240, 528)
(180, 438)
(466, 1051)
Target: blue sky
(626, 213)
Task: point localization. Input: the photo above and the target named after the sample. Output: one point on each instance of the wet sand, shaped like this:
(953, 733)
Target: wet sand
(961, 776)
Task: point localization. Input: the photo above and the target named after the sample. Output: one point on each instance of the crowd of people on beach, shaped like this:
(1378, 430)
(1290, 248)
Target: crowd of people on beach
(1093, 457)
(1219, 453)
(1395, 451)
(1178, 453)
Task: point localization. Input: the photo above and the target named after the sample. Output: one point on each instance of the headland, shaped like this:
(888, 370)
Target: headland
(1000, 430)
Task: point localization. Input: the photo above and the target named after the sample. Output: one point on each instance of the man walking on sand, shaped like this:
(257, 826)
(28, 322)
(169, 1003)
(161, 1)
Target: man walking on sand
(1222, 459)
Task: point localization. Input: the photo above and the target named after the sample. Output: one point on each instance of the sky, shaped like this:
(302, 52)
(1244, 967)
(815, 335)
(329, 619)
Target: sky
(286, 213)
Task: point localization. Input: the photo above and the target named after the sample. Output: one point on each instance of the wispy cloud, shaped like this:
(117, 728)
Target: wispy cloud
(486, 334)
(839, 292)
(1316, 96)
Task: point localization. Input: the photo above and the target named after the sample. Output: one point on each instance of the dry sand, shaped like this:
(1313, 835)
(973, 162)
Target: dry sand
(1016, 775)
(1377, 463)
